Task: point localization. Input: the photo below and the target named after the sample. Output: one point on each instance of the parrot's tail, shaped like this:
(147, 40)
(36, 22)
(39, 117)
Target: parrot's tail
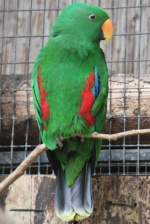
(76, 202)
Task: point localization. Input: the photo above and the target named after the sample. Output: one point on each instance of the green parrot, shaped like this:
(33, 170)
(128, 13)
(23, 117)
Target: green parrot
(70, 88)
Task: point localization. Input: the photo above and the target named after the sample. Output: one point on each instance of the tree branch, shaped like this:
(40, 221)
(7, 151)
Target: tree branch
(114, 137)
(42, 148)
(19, 171)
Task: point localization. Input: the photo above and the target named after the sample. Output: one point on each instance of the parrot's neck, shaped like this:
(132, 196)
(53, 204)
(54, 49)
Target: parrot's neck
(74, 46)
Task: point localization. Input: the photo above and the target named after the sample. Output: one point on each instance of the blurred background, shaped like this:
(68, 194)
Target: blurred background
(24, 29)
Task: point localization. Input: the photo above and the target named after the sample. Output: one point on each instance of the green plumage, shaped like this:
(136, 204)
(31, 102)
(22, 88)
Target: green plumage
(65, 63)
(70, 87)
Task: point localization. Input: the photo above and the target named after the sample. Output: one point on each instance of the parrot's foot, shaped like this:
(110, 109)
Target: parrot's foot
(80, 136)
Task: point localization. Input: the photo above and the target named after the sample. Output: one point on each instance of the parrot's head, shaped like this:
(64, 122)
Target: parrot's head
(84, 24)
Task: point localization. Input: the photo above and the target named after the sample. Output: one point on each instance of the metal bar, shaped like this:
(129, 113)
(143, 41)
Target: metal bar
(116, 156)
(12, 144)
(110, 102)
(121, 204)
(27, 210)
(108, 62)
(1, 56)
(43, 36)
(124, 97)
(59, 9)
(139, 93)
(14, 96)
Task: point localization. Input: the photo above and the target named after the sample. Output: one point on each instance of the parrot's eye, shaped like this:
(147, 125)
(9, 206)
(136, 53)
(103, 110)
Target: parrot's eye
(92, 17)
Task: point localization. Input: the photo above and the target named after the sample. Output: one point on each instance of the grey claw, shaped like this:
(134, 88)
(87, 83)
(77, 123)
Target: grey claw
(61, 138)
(59, 142)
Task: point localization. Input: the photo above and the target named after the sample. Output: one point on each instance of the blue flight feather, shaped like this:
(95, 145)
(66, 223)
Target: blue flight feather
(96, 87)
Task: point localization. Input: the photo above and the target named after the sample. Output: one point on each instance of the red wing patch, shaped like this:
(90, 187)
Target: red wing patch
(88, 101)
(44, 104)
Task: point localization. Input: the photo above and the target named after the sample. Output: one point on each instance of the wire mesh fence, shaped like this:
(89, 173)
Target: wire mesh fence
(24, 28)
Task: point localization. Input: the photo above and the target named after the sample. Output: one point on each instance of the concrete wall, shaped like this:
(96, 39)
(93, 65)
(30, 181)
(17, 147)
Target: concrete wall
(118, 200)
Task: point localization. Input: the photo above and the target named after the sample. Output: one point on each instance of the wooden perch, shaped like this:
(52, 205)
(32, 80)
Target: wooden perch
(19, 171)
(42, 148)
(116, 136)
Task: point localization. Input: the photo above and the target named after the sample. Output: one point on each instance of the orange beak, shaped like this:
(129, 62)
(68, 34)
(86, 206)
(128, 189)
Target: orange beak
(107, 30)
